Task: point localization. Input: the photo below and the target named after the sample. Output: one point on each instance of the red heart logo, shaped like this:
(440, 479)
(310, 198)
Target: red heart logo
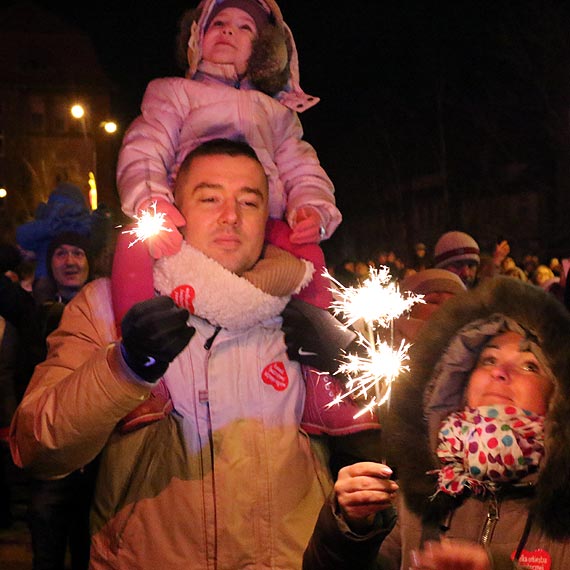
(537, 559)
(183, 296)
(275, 375)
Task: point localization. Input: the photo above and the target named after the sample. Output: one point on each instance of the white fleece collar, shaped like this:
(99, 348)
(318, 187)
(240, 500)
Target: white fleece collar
(211, 292)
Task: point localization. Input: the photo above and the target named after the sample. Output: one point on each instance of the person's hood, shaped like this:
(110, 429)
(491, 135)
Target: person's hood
(444, 352)
(292, 96)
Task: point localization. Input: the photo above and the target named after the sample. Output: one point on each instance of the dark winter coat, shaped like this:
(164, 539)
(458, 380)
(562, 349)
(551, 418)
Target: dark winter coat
(532, 517)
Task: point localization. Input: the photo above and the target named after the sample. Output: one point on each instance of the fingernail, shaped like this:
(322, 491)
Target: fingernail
(414, 556)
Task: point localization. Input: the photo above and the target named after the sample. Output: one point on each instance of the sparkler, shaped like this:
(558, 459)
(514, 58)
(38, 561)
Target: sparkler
(377, 302)
(149, 223)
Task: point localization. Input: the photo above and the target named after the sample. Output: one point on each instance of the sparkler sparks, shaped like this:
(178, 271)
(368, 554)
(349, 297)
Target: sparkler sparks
(149, 223)
(372, 373)
(377, 303)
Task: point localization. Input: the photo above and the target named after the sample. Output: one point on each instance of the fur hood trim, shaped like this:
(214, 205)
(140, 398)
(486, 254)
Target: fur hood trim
(274, 62)
(208, 290)
(422, 397)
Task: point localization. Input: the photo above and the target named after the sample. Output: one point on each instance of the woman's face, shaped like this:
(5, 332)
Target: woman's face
(508, 373)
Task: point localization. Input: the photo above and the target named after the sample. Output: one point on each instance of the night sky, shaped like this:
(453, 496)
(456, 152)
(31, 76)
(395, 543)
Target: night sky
(395, 79)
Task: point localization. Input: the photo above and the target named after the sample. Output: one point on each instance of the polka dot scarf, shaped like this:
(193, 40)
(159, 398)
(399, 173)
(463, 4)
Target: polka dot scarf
(489, 444)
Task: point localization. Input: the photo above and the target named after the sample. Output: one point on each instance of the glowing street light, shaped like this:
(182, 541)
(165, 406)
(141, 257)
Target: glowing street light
(109, 127)
(3, 193)
(77, 111)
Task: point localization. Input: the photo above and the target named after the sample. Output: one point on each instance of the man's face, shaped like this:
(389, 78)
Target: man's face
(69, 266)
(465, 269)
(225, 202)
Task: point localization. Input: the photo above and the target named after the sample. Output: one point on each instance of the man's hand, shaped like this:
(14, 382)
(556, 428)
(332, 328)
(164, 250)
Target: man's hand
(501, 251)
(166, 242)
(154, 333)
(451, 555)
(362, 490)
(314, 337)
(307, 228)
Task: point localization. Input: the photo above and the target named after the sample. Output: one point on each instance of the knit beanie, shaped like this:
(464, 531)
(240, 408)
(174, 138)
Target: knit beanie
(68, 238)
(455, 246)
(433, 281)
(251, 7)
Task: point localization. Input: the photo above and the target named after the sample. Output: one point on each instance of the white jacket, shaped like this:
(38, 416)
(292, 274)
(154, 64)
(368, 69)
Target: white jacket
(226, 481)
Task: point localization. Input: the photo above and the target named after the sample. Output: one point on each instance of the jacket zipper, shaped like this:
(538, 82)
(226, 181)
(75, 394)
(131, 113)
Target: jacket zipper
(491, 522)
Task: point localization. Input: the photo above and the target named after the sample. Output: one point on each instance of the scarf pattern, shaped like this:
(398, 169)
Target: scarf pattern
(479, 447)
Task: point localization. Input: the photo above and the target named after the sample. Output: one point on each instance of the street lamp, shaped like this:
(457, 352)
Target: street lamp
(109, 127)
(77, 111)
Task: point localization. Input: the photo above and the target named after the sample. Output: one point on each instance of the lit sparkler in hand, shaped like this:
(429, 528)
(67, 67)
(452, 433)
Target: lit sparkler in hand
(377, 303)
(149, 223)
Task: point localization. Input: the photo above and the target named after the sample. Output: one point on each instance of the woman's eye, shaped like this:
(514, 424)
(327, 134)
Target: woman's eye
(487, 360)
(531, 367)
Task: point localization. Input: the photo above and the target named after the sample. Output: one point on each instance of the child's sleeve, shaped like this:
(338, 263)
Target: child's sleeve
(305, 181)
(148, 152)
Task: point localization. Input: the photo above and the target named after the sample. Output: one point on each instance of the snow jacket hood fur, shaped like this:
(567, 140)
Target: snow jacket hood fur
(445, 351)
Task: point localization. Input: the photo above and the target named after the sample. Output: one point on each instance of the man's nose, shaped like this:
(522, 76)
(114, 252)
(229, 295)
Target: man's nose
(230, 212)
(227, 29)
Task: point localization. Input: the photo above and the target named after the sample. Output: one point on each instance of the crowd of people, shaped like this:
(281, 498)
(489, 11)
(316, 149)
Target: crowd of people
(170, 400)
(471, 264)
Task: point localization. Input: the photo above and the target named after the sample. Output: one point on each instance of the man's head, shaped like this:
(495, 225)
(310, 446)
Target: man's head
(459, 253)
(68, 263)
(436, 285)
(222, 191)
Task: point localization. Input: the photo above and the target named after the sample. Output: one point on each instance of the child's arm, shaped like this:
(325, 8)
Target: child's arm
(305, 181)
(148, 152)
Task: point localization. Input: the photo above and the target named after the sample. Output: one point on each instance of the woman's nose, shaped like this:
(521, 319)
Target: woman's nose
(500, 372)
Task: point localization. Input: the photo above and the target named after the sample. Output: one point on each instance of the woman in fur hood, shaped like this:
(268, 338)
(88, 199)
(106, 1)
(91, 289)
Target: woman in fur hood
(479, 439)
(241, 82)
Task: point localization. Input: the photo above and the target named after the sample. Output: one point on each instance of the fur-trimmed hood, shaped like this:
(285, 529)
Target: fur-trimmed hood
(274, 63)
(425, 395)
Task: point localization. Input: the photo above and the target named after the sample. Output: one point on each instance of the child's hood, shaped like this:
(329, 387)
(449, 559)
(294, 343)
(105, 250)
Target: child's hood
(292, 96)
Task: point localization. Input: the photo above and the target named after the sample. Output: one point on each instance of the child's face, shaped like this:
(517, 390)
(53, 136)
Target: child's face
(229, 38)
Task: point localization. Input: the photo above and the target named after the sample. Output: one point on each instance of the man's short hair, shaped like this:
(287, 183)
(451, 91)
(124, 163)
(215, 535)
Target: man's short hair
(214, 147)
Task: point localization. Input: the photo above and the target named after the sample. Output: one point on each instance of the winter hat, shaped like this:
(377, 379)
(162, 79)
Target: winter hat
(68, 238)
(251, 7)
(433, 281)
(455, 246)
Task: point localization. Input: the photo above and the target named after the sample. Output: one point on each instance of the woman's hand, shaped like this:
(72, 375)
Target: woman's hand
(451, 555)
(362, 490)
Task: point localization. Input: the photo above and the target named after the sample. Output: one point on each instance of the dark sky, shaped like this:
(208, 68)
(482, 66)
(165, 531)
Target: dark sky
(396, 79)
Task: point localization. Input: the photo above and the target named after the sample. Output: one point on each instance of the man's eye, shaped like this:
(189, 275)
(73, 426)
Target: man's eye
(246, 27)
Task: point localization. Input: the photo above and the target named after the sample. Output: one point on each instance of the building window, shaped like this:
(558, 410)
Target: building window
(37, 114)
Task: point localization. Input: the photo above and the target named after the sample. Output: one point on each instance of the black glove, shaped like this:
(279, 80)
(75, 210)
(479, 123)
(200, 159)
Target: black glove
(314, 337)
(154, 333)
